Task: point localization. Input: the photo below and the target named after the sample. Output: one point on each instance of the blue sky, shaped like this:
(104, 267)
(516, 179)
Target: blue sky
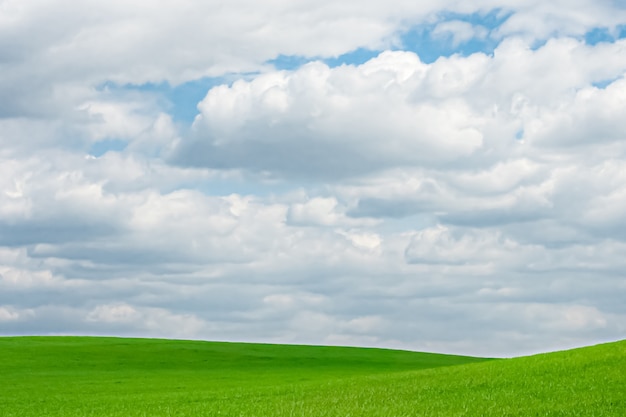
(435, 176)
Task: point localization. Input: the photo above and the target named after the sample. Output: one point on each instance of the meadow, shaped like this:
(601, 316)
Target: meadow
(86, 376)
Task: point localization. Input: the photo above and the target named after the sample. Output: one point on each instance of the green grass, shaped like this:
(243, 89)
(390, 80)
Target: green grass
(76, 376)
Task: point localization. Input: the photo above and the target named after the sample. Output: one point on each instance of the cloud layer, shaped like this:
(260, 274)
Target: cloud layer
(471, 204)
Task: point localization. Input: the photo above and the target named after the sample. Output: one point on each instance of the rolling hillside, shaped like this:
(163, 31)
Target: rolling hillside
(82, 376)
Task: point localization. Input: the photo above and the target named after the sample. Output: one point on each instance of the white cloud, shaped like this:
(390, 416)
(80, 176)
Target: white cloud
(331, 122)
(593, 116)
(460, 31)
(146, 321)
(115, 313)
(322, 211)
(367, 241)
(317, 211)
(542, 20)
(8, 315)
(396, 111)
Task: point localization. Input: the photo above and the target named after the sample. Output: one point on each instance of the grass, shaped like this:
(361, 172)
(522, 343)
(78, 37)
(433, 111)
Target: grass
(76, 376)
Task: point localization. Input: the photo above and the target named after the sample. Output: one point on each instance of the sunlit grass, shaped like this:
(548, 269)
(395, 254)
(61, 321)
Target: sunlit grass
(53, 376)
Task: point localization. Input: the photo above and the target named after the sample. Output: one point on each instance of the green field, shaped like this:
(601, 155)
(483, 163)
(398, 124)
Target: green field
(81, 376)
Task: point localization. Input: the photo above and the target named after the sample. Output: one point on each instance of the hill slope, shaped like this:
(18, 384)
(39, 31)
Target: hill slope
(78, 376)
(581, 382)
(60, 376)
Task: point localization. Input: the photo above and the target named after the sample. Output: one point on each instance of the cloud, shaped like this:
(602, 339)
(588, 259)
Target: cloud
(468, 205)
(459, 31)
(153, 320)
(554, 19)
(439, 245)
(159, 40)
(54, 61)
(8, 315)
(592, 116)
(317, 211)
(303, 123)
(395, 111)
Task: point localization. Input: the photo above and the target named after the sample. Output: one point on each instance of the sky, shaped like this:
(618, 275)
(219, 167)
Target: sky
(443, 176)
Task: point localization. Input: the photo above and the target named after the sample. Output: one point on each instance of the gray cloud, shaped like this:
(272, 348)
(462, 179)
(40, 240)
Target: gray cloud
(378, 207)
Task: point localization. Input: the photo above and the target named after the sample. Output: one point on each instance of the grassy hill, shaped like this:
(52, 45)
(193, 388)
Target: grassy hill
(77, 376)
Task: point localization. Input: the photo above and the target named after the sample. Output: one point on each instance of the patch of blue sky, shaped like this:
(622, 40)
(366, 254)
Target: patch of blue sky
(603, 34)
(605, 83)
(293, 62)
(430, 46)
(357, 57)
(181, 101)
(107, 145)
(491, 19)
(185, 97)
(598, 35)
(419, 39)
(289, 62)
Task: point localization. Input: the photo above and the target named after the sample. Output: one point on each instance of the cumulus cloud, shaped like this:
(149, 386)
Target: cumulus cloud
(395, 110)
(459, 31)
(303, 123)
